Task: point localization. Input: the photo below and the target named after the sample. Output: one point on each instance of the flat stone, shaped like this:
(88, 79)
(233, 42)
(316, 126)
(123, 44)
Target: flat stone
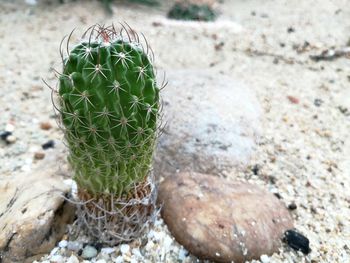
(33, 215)
(211, 123)
(221, 220)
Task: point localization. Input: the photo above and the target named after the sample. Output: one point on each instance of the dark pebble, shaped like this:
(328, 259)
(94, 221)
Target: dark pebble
(292, 206)
(272, 179)
(297, 241)
(255, 169)
(278, 195)
(290, 30)
(97, 245)
(5, 134)
(49, 144)
(344, 110)
(318, 102)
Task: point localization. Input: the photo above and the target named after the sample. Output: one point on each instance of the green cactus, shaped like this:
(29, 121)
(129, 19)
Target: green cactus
(109, 105)
(185, 10)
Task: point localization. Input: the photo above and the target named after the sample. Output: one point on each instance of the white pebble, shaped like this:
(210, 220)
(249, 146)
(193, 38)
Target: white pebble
(167, 243)
(11, 139)
(124, 248)
(149, 245)
(158, 235)
(137, 253)
(119, 259)
(150, 234)
(72, 259)
(63, 243)
(101, 261)
(9, 127)
(56, 259)
(54, 251)
(74, 245)
(182, 254)
(264, 259)
(107, 250)
(89, 252)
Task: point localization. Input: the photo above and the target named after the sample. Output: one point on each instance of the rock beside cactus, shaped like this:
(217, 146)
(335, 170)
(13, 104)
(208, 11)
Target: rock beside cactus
(222, 220)
(213, 123)
(33, 214)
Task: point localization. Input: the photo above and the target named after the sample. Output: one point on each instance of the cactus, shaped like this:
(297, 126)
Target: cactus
(109, 107)
(191, 10)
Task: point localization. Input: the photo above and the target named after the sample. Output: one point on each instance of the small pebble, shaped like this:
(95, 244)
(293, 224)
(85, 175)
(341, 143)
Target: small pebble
(318, 102)
(290, 30)
(167, 243)
(9, 127)
(264, 259)
(63, 243)
(89, 252)
(255, 169)
(74, 245)
(11, 139)
(45, 126)
(48, 144)
(124, 248)
(278, 195)
(107, 250)
(292, 206)
(5, 134)
(39, 155)
(119, 259)
(183, 253)
(136, 252)
(97, 245)
(56, 259)
(101, 261)
(54, 251)
(293, 99)
(297, 241)
(72, 259)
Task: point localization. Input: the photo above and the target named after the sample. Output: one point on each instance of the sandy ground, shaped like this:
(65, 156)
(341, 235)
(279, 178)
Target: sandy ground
(304, 151)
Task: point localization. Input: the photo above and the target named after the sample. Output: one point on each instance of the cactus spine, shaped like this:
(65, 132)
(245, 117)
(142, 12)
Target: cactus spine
(109, 108)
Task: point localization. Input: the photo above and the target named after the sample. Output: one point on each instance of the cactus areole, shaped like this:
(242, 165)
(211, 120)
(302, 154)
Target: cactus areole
(109, 108)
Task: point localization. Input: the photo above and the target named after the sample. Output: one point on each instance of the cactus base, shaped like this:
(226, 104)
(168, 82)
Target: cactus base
(111, 220)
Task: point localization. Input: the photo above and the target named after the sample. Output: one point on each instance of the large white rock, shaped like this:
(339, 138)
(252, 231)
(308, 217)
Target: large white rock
(211, 123)
(33, 214)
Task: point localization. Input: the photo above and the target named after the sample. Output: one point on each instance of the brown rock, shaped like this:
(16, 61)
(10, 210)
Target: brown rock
(45, 126)
(293, 99)
(33, 215)
(220, 220)
(39, 155)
